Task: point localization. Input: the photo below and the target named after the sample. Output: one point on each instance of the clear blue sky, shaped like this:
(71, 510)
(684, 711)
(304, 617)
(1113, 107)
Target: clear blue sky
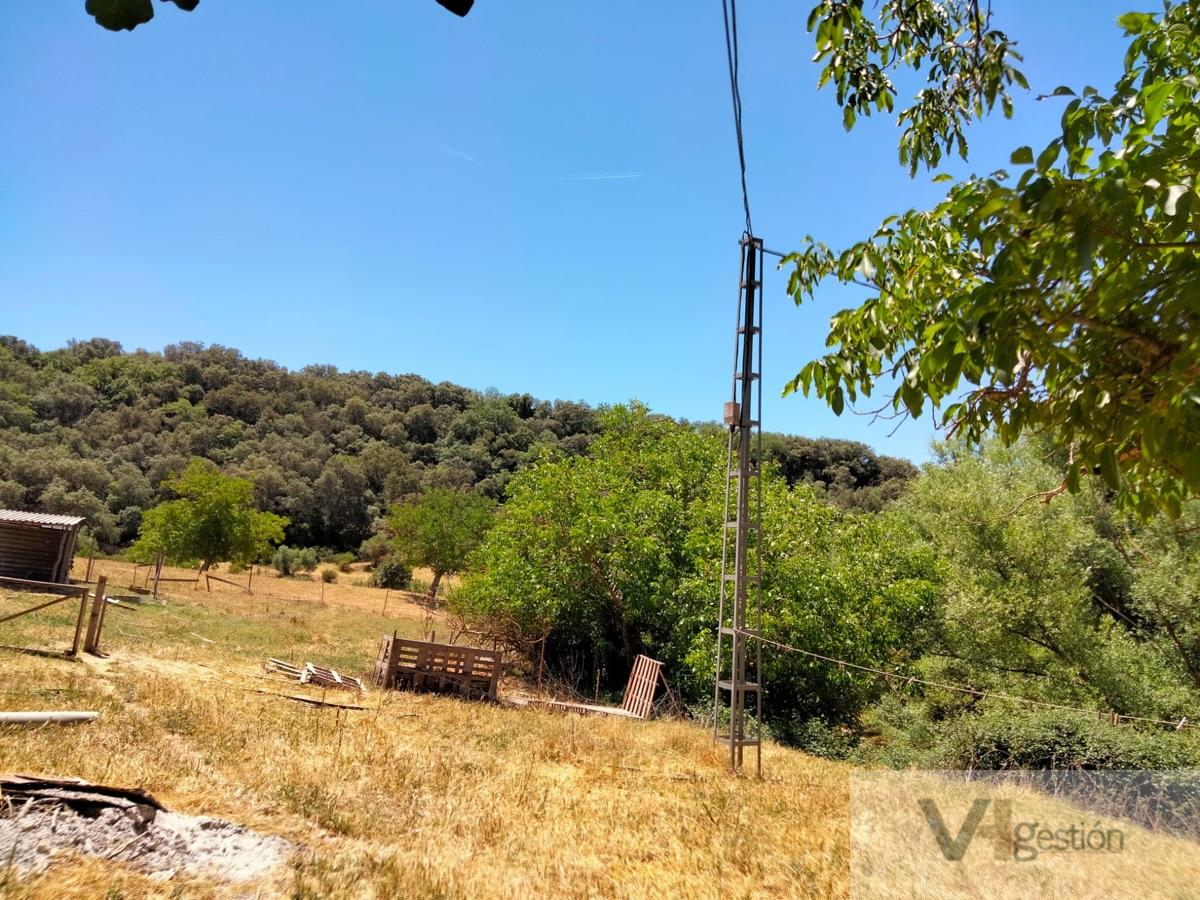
(381, 185)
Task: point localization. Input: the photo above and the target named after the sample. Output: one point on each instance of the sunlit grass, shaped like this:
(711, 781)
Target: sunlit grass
(418, 795)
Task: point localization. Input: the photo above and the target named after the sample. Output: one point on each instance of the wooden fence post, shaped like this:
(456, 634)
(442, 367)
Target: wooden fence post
(158, 564)
(92, 643)
(91, 562)
(83, 602)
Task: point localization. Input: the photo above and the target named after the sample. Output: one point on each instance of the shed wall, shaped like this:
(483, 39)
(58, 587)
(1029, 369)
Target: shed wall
(36, 552)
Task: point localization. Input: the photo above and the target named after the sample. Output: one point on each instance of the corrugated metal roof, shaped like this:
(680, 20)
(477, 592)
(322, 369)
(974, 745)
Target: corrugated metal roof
(18, 517)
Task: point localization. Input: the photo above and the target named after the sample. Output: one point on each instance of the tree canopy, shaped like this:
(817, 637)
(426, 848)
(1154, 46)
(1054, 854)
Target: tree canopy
(1061, 299)
(213, 519)
(595, 559)
(440, 530)
(94, 430)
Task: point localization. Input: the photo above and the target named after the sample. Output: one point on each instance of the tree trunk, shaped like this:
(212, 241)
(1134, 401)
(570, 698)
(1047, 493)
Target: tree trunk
(433, 585)
(541, 662)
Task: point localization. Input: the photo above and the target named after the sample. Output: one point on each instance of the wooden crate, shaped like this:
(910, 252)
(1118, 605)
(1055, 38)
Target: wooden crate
(404, 664)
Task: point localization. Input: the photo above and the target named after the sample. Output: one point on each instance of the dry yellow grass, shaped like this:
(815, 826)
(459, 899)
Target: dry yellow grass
(418, 796)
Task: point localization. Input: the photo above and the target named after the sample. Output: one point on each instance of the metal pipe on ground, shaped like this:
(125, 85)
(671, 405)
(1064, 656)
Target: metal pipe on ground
(61, 717)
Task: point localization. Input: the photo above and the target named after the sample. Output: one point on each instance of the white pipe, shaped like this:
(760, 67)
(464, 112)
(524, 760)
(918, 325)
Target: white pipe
(42, 718)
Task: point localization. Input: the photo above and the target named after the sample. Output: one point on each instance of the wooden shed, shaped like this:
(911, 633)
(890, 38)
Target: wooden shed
(37, 546)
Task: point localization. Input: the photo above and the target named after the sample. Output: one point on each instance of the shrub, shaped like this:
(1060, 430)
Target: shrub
(391, 573)
(343, 561)
(329, 576)
(374, 549)
(290, 560)
(817, 737)
(1009, 738)
(85, 543)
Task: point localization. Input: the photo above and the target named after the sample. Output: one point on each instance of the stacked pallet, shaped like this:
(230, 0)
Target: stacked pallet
(311, 673)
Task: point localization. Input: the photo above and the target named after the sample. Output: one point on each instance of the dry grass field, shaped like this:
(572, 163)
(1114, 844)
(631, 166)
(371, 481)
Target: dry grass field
(416, 795)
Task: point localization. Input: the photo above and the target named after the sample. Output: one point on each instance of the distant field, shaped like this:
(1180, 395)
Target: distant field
(418, 796)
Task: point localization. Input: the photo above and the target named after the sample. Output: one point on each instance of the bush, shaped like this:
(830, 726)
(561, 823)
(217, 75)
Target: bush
(375, 549)
(343, 561)
(1053, 739)
(391, 573)
(1002, 736)
(290, 560)
(85, 543)
(329, 576)
(817, 737)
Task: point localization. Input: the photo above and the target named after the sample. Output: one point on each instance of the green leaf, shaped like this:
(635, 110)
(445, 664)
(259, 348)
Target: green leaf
(837, 401)
(1109, 468)
(120, 15)
(1073, 479)
(1135, 22)
(1047, 157)
(1022, 156)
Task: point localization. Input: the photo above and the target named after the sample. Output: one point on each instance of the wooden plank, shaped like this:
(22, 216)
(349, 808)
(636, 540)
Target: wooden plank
(34, 609)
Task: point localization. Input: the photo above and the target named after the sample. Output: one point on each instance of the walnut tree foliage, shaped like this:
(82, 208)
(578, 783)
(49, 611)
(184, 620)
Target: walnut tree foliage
(126, 15)
(598, 557)
(1059, 298)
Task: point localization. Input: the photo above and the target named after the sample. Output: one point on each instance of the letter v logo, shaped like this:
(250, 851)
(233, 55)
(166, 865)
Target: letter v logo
(956, 849)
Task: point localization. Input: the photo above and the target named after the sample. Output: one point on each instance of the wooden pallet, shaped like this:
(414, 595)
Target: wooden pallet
(444, 668)
(311, 673)
(636, 704)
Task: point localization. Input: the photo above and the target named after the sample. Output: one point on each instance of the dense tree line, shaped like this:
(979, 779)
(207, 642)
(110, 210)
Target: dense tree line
(94, 430)
(969, 579)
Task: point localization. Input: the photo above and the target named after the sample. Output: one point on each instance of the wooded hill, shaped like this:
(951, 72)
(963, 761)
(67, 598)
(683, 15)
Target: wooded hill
(94, 430)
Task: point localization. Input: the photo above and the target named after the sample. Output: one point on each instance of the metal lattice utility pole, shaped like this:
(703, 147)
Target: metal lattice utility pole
(740, 610)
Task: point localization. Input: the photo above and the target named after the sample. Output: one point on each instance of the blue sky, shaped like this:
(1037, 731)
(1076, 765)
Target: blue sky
(539, 197)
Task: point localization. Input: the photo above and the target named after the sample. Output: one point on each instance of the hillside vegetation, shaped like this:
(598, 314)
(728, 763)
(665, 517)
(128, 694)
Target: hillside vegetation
(93, 430)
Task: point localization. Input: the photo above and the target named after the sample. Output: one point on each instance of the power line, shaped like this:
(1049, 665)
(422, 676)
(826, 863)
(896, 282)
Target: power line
(729, 12)
(1115, 718)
